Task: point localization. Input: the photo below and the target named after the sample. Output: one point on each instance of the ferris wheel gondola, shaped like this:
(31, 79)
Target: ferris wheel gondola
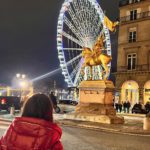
(80, 22)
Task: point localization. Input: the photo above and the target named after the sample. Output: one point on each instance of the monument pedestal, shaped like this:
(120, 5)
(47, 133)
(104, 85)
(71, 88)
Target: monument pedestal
(95, 103)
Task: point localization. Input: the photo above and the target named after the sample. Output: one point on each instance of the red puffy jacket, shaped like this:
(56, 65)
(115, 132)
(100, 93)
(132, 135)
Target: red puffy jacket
(31, 134)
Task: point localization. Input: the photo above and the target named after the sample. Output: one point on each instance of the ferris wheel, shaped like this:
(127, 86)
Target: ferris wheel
(80, 22)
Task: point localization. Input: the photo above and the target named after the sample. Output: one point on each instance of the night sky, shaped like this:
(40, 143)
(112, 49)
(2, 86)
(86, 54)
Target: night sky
(28, 37)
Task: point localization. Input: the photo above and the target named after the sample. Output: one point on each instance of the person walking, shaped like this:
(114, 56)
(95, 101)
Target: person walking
(117, 106)
(125, 106)
(128, 106)
(53, 99)
(35, 129)
(54, 102)
(120, 107)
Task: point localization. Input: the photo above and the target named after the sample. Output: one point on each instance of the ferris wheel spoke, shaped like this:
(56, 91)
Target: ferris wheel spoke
(72, 38)
(78, 73)
(92, 24)
(97, 30)
(89, 27)
(77, 8)
(73, 49)
(83, 12)
(79, 13)
(72, 28)
(74, 72)
(75, 19)
(81, 4)
(74, 59)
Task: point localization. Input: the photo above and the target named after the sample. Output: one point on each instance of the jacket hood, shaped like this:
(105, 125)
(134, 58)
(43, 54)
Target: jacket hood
(34, 127)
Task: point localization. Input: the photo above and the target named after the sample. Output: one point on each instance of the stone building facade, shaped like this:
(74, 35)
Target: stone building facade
(133, 62)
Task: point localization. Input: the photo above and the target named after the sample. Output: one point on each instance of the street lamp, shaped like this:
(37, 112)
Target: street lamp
(22, 82)
(23, 76)
(18, 75)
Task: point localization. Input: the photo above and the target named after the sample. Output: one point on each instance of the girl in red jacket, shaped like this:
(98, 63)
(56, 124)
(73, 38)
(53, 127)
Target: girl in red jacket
(35, 130)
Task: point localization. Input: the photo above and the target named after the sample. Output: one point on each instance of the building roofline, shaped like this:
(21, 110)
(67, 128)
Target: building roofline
(126, 3)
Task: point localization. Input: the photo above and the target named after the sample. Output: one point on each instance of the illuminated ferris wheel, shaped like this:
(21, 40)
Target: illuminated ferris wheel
(80, 22)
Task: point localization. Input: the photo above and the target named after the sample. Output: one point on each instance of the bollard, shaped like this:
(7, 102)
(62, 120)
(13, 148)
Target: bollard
(146, 123)
(12, 110)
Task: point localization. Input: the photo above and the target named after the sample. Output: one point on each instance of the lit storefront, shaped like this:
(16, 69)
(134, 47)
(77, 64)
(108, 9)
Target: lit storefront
(147, 92)
(130, 92)
(133, 92)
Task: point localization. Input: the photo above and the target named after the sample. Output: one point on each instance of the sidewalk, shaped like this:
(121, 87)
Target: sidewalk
(131, 127)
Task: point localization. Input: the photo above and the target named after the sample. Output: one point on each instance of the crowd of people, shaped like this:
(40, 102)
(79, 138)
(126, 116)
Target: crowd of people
(126, 107)
(122, 106)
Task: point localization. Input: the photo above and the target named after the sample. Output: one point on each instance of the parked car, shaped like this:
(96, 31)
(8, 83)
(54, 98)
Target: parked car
(6, 102)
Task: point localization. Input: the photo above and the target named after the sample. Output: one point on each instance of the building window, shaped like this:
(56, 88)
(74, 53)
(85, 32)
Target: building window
(132, 35)
(131, 60)
(133, 14)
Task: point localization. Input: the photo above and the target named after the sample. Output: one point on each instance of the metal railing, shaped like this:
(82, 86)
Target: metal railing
(145, 67)
(139, 16)
(128, 2)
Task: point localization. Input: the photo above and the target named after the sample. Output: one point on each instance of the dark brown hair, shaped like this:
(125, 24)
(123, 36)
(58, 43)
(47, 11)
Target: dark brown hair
(38, 106)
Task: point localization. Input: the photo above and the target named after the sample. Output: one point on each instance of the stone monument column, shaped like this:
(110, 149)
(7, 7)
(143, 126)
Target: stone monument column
(96, 103)
(96, 97)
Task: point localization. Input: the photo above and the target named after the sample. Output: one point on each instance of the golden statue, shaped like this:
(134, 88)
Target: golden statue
(95, 56)
(110, 25)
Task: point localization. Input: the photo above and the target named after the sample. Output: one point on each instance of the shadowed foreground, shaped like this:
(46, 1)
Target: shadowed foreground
(83, 139)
